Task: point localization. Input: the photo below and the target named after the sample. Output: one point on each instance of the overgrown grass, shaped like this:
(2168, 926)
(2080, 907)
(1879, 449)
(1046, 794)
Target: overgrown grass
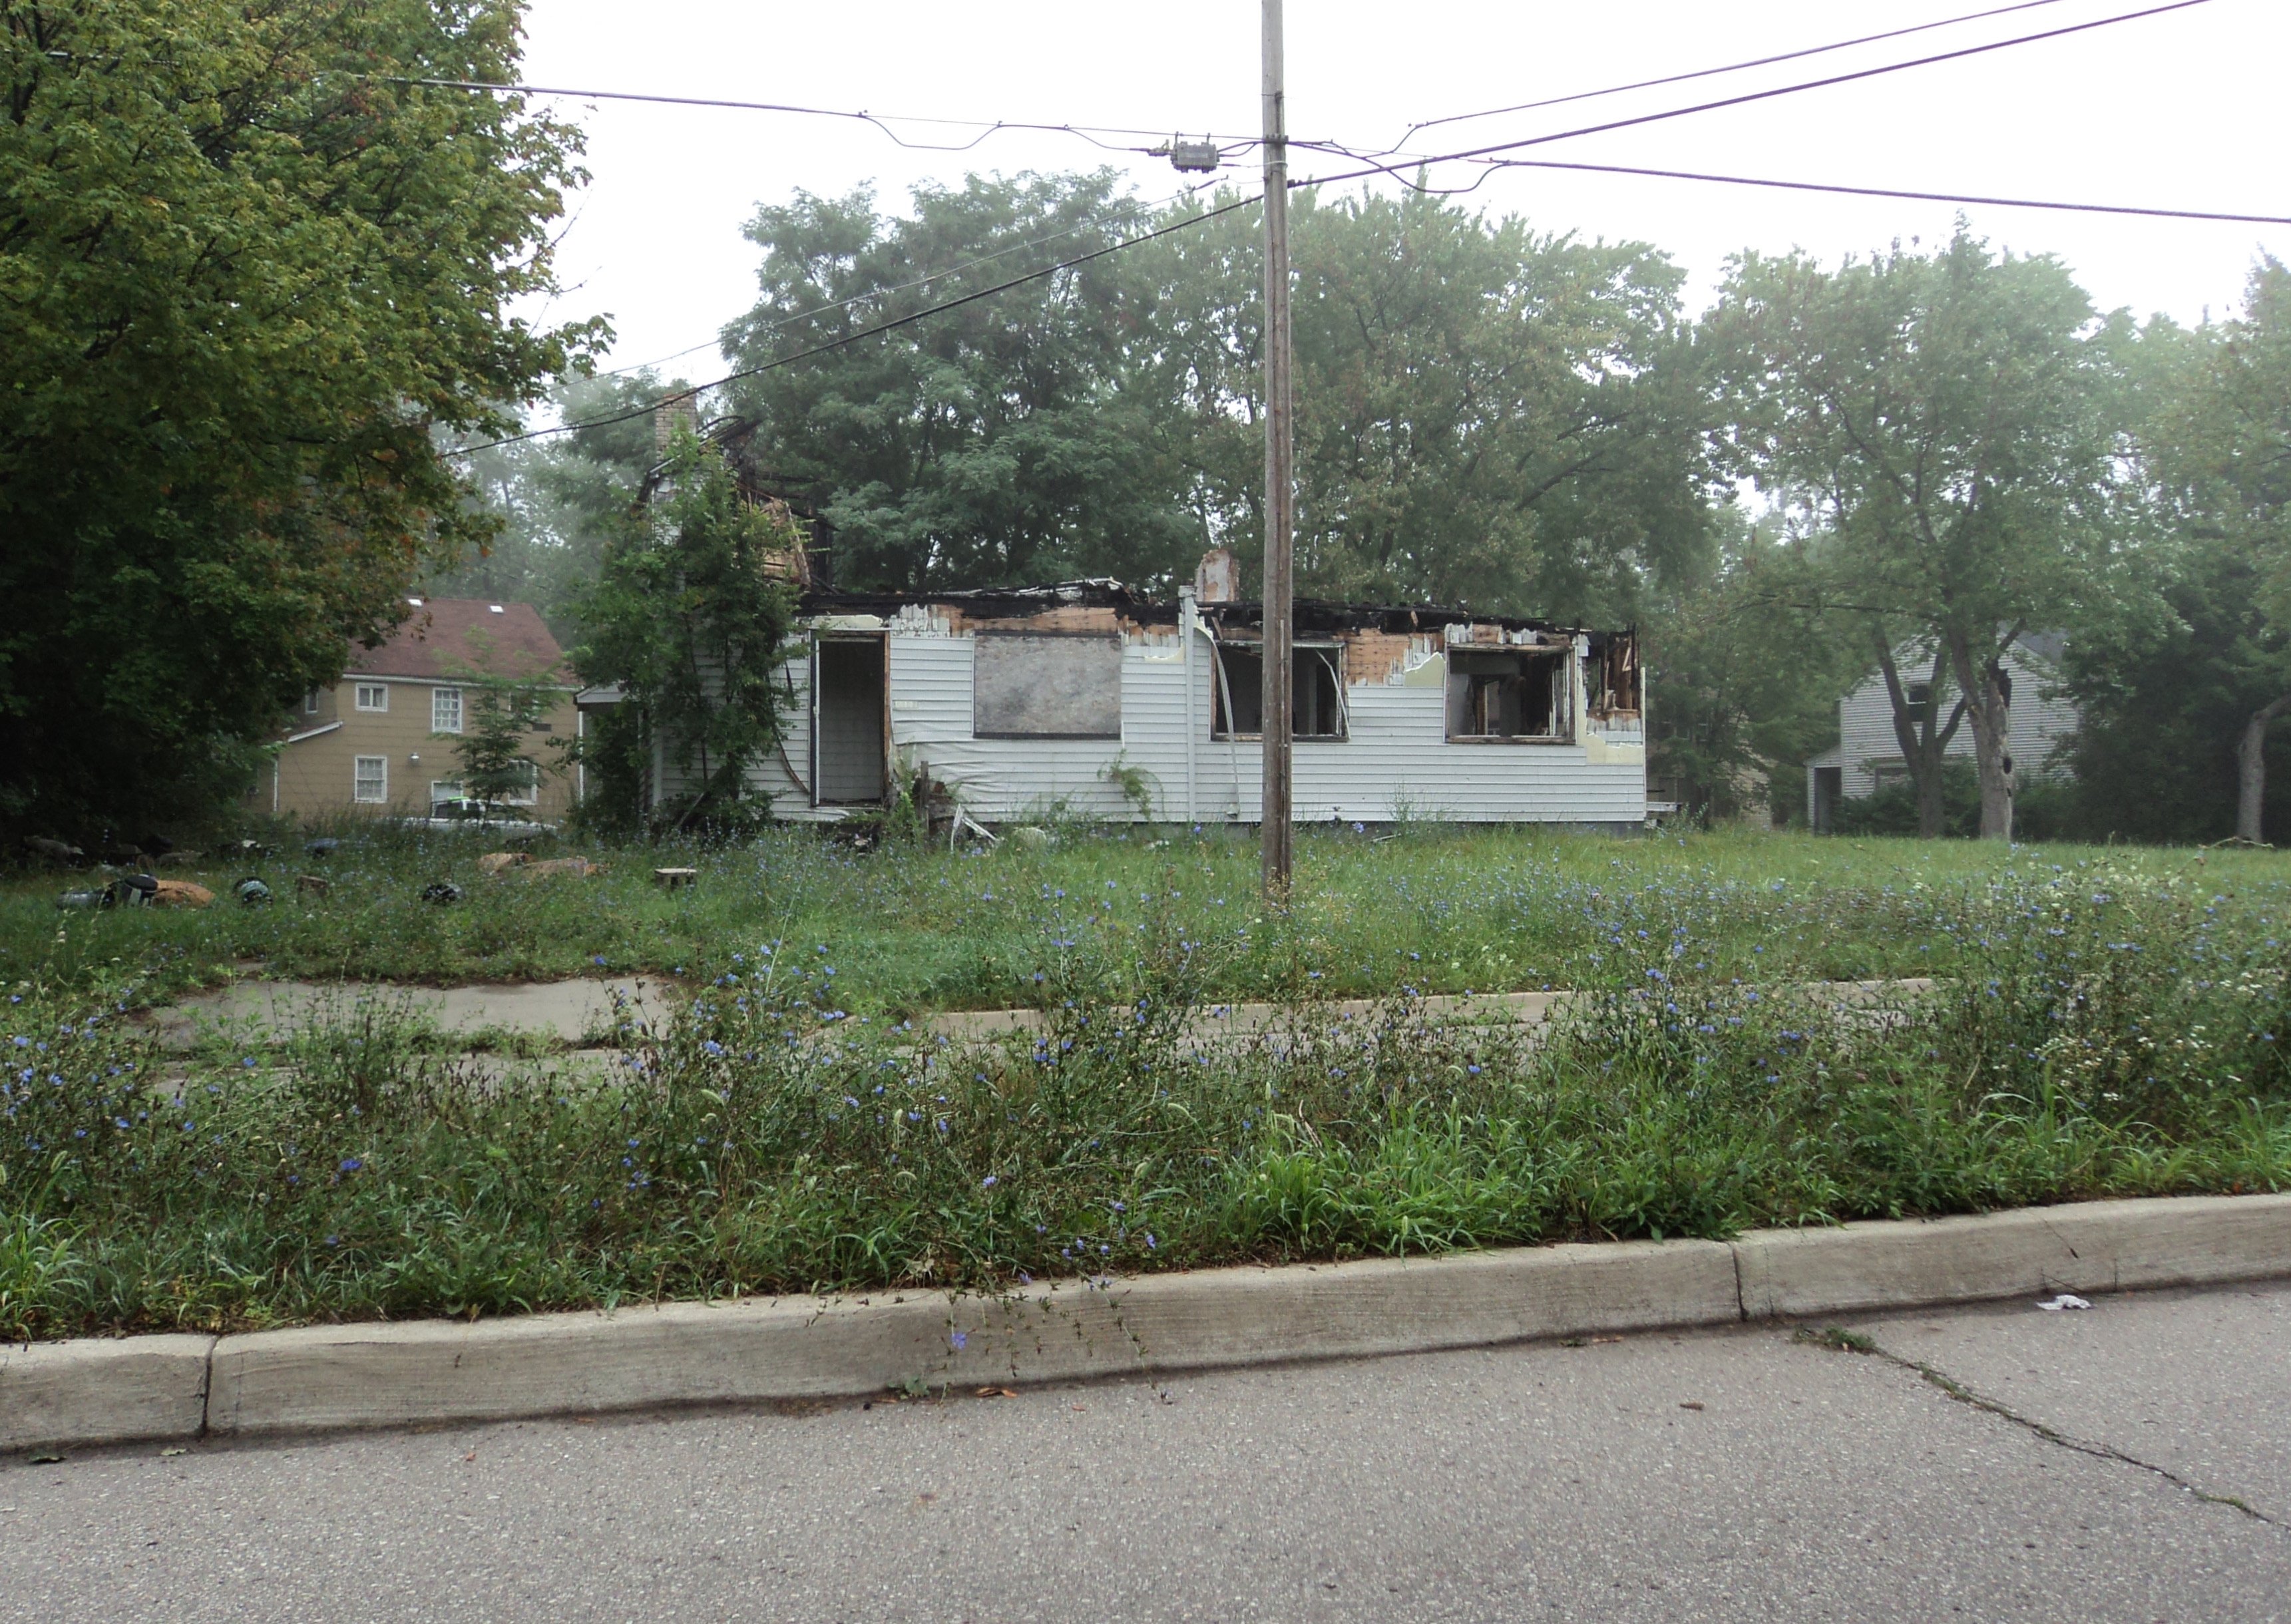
(2101, 1032)
(911, 929)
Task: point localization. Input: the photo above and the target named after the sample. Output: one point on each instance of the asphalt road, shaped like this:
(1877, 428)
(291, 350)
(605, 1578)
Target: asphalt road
(2132, 1463)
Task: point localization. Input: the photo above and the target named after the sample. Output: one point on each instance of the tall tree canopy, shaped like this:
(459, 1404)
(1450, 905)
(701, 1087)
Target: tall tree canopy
(244, 276)
(1943, 429)
(999, 442)
(1484, 414)
(2180, 704)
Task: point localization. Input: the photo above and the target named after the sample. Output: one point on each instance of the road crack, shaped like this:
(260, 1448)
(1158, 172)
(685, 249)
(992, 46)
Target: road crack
(1934, 1376)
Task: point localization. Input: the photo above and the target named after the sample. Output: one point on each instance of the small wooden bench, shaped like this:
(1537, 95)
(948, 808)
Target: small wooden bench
(670, 878)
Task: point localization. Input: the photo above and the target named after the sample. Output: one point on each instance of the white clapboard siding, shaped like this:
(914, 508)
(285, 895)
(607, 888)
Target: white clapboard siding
(2038, 722)
(1397, 760)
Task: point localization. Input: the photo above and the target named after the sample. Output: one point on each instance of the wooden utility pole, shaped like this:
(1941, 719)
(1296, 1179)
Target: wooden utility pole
(1279, 485)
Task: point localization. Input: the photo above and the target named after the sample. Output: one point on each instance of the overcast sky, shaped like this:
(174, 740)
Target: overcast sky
(2182, 110)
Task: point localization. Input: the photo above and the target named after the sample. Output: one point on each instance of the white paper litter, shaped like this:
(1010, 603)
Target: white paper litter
(2064, 1300)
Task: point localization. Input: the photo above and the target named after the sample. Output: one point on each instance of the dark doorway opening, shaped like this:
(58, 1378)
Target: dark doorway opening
(1828, 790)
(848, 716)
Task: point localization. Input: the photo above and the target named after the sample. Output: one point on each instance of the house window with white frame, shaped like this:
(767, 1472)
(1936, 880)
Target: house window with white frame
(370, 779)
(310, 703)
(445, 710)
(374, 696)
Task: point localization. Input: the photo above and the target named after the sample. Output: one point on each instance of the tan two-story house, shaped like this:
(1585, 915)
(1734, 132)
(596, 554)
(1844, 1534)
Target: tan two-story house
(381, 741)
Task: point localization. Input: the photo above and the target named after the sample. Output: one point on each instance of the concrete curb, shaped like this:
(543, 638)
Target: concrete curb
(104, 1391)
(331, 1377)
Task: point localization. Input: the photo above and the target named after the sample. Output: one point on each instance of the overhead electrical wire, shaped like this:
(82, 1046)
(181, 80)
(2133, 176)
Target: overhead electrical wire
(1706, 73)
(1743, 100)
(1180, 196)
(1887, 191)
(1486, 154)
(1187, 223)
(880, 121)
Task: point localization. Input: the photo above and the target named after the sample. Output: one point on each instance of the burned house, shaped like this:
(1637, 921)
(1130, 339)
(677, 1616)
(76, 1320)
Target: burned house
(1088, 699)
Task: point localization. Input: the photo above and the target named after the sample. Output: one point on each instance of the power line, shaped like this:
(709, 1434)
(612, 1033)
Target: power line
(1740, 101)
(880, 121)
(1884, 191)
(1180, 196)
(1706, 73)
(881, 327)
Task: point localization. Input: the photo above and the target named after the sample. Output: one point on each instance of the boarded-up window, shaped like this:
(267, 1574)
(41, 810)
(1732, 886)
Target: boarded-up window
(1037, 686)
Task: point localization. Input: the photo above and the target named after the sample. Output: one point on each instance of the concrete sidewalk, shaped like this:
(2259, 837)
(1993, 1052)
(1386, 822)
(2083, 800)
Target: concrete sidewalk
(1671, 1477)
(584, 1009)
(568, 1011)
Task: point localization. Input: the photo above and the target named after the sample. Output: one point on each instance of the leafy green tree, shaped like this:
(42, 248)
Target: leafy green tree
(495, 745)
(690, 618)
(560, 501)
(245, 279)
(1743, 676)
(2221, 447)
(1485, 415)
(1943, 429)
(2167, 701)
(996, 443)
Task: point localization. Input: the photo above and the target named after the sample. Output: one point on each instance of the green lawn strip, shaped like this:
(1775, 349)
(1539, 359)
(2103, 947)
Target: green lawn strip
(915, 929)
(783, 1140)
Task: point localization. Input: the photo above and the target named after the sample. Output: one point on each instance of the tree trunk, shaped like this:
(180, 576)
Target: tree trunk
(1991, 740)
(2251, 769)
(1932, 813)
(1917, 732)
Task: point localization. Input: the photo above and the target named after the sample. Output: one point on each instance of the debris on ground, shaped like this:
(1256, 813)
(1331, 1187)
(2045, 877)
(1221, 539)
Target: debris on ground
(579, 868)
(83, 899)
(313, 885)
(670, 878)
(182, 894)
(2065, 1300)
(251, 892)
(1031, 836)
(443, 892)
(494, 862)
(131, 891)
(54, 851)
(325, 846)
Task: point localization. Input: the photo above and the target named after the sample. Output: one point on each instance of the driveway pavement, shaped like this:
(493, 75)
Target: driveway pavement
(2132, 1462)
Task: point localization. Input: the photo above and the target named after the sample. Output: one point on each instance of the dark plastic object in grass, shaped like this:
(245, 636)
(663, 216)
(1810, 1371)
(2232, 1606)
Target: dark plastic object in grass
(81, 899)
(131, 890)
(252, 892)
(443, 892)
(325, 846)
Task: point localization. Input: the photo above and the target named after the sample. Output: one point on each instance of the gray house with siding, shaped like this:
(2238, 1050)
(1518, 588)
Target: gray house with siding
(1868, 757)
(1086, 698)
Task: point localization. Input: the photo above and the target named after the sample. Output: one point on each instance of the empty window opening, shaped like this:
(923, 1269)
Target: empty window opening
(1610, 678)
(1316, 708)
(848, 721)
(1508, 694)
